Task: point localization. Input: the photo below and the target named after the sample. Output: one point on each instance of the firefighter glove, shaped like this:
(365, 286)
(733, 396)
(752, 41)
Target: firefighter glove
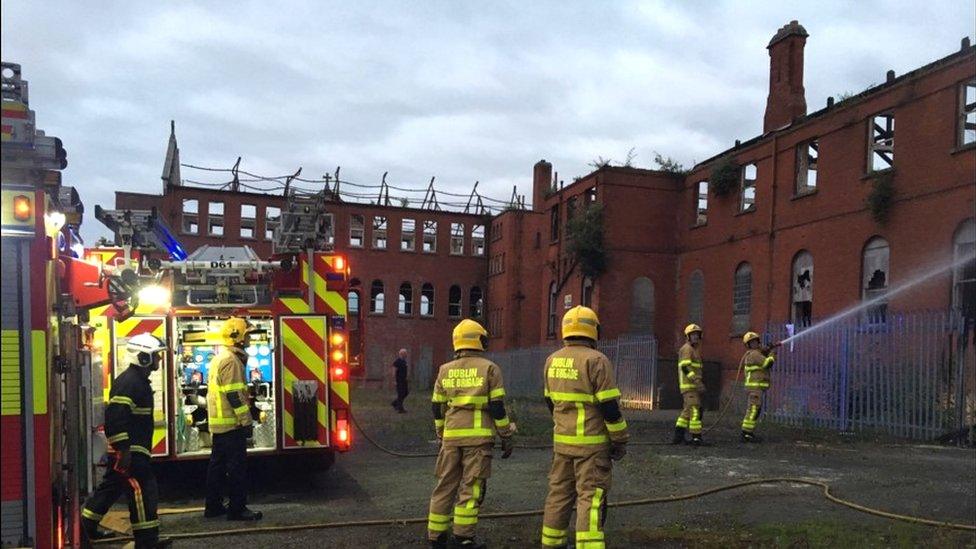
(618, 450)
(508, 444)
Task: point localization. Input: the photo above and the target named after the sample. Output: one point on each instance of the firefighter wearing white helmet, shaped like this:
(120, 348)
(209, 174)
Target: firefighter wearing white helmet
(129, 429)
(466, 388)
(692, 387)
(756, 362)
(589, 432)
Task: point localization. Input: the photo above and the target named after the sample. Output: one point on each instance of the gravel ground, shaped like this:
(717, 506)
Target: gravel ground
(365, 483)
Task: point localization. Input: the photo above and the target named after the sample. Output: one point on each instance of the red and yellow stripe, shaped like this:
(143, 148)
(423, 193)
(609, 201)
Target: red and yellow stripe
(303, 354)
(156, 326)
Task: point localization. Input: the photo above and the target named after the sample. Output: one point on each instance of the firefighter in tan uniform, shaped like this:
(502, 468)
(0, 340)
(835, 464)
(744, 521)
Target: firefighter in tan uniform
(468, 409)
(756, 362)
(589, 431)
(691, 386)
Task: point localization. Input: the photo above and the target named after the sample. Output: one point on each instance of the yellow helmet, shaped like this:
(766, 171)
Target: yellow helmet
(234, 330)
(581, 321)
(692, 328)
(749, 336)
(468, 334)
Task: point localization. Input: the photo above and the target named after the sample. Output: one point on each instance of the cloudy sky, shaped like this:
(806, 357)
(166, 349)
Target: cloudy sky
(460, 91)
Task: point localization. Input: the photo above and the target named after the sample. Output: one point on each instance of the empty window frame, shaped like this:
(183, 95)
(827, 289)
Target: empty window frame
(554, 223)
(476, 303)
(430, 237)
(454, 307)
(478, 240)
(215, 218)
(590, 195)
(272, 219)
(964, 273)
(551, 324)
(881, 142)
(807, 154)
(379, 232)
(191, 213)
(571, 206)
(875, 279)
(801, 288)
(249, 220)
(405, 299)
(353, 304)
(701, 204)
(496, 231)
(967, 113)
(427, 299)
(330, 229)
(408, 235)
(357, 230)
(377, 297)
(747, 186)
(586, 292)
(741, 299)
(457, 238)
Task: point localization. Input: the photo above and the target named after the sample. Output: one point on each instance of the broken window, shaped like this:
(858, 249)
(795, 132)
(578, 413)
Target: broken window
(377, 298)
(967, 113)
(408, 237)
(964, 273)
(696, 298)
(554, 223)
(215, 215)
(881, 142)
(874, 282)
(747, 194)
(191, 211)
(427, 299)
(586, 292)
(551, 324)
(330, 229)
(741, 299)
(405, 301)
(496, 231)
(571, 206)
(806, 166)
(478, 240)
(357, 230)
(379, 232)
(454, 302)
(590, 195)
(477, 303)
(801, 309)
(430, 237)
(701, 203)
(457, 238)
(642, 306)
(272, 218)
(249, 220)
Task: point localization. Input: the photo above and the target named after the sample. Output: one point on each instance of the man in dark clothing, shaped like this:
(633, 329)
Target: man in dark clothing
(400, 373)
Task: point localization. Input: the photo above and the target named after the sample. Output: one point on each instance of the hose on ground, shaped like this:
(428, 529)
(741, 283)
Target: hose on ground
(537, 512)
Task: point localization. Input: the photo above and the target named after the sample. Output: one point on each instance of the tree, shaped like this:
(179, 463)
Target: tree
(585, 246)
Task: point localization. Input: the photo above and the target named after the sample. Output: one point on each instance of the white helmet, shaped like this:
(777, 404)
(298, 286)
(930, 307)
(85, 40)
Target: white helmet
(141, 349)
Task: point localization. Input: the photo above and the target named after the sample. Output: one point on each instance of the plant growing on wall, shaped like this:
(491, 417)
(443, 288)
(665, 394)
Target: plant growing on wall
(725, 176)
(585, 245)
(882, 196)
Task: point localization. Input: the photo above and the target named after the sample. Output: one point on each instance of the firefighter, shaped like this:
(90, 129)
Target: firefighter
(588, 433)
(465, 389)
(230, 422)
(756, 362)
(691, 386)
(129, 429)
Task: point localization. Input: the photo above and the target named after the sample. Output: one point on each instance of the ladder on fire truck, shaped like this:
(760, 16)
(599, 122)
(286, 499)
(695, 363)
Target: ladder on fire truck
(305, 226)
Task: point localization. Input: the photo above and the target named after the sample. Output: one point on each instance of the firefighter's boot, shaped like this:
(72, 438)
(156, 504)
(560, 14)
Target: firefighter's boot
(749, 438)
(246, 515)
(696, 439)
(90, 532)
(440, 542)
(679, 435)
(459, 542)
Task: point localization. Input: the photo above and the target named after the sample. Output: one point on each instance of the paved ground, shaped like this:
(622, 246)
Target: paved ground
(365, 483)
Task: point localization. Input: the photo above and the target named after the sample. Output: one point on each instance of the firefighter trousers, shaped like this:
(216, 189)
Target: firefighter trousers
(228, 468)
(753, 409)
(462, 474)
(583, 483)
(691, 413)
(139, 486)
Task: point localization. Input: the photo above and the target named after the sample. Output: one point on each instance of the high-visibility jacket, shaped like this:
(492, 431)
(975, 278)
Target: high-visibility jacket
(690, 369)
(228, 400)
(466, 386)
(579, 379)
(756, 366)
(129, 415)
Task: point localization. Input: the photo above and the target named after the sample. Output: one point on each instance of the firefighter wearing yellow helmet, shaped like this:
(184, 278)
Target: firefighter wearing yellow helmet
(469, 409)
(589, 432)
(692, 387)
(756, 362)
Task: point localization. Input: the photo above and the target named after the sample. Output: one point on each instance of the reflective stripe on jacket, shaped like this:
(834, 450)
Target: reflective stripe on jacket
(129, 414)
(757, 367)
(227, 395)
(578, 379)
(466, 385)
(689, 358)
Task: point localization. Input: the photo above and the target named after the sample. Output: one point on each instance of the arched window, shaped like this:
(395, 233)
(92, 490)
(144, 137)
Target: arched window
(875, 278)
(454, 302)
(696, 297)
(964, 273)
(551, 326)
(741, 298)
(353, 304)
(477, 303)
(376, 297)
(642, 306)
(405, 300)
(587, 292)
(801, 289)
(427, 299)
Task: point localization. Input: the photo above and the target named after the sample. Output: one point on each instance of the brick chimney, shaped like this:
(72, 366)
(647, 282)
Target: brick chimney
(787, 98)
(541, 183)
